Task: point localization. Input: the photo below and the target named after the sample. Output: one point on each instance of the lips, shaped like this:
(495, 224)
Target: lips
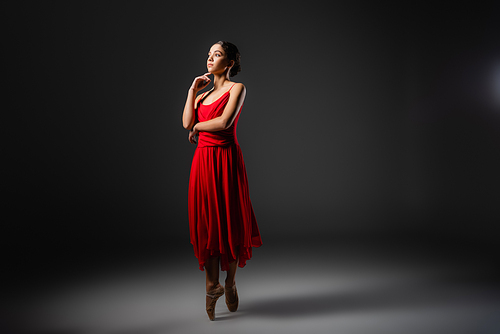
(210, 65)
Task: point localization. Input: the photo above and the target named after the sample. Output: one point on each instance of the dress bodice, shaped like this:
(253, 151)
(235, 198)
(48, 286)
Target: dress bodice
(210, 111)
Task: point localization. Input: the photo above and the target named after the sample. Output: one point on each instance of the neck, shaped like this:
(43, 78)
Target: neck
(220, 79)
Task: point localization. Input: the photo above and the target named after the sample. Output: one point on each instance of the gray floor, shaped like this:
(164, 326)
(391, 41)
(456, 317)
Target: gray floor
(338, 289)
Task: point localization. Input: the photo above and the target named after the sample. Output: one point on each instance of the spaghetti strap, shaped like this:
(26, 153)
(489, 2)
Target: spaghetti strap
(203, 95)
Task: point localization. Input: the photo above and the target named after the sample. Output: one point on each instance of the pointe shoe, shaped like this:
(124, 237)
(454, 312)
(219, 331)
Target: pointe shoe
(212, 297)
(232, 299)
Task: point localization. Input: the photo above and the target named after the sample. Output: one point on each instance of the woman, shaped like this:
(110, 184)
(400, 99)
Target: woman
(221, 219)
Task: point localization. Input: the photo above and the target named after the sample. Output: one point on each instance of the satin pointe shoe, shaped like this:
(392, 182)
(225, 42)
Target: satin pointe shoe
(232, 299)
(212, 297)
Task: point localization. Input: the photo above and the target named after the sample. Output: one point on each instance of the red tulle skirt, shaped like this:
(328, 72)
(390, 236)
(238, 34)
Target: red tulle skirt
(221, 218)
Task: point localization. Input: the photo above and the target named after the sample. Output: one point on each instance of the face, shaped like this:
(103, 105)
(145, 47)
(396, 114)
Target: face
(217, 61)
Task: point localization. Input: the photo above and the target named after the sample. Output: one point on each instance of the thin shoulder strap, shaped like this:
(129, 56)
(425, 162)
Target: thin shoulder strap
(231, 87)
(204, 94)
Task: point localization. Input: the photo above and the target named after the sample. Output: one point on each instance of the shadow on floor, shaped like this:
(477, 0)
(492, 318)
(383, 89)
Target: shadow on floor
(399, 297)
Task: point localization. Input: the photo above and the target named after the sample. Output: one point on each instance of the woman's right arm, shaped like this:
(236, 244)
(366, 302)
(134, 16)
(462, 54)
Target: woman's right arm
(188, 115)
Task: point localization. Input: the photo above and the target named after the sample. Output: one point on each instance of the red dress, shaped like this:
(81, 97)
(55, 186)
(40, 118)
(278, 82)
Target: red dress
(221, 218)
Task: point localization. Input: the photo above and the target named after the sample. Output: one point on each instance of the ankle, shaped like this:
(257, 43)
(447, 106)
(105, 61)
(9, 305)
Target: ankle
(229, 284)
(211, 286)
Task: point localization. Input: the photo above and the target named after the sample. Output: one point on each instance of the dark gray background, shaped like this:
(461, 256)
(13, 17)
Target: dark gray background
(362, 120)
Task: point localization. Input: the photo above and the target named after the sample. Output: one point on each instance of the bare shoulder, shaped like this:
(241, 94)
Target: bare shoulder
(201, 95)
(239, 86)
(238, 89)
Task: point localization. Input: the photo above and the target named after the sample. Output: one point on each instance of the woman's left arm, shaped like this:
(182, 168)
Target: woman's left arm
(233, 107)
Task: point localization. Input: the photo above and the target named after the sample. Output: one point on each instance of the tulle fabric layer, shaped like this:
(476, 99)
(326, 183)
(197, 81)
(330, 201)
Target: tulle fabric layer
(221, 218)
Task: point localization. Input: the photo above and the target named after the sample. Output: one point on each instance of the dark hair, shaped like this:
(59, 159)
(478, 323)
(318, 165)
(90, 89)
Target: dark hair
(232, 53)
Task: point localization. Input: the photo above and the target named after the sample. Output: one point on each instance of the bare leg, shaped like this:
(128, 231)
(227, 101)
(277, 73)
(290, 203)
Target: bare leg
(214, 289)
(212, 273)
(230, 287)
(231, 274)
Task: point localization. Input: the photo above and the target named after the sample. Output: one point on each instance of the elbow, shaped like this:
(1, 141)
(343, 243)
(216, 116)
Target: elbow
(187, 122)
(187, 126)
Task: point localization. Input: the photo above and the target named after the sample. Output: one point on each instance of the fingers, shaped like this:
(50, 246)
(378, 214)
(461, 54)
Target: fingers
(205, 76)
(192, 137)
(206, 79)
(202, 81)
